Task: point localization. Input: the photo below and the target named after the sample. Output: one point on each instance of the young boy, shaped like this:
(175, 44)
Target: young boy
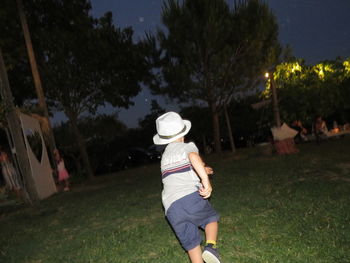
(186, 188)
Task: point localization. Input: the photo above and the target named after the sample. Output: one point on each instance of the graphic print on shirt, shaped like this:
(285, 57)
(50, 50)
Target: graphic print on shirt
(179, 167)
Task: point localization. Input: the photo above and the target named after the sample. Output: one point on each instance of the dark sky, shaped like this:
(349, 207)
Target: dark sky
(315, 29)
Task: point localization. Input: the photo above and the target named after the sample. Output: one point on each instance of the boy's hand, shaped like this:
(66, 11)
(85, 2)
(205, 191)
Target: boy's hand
(209, 170)
(206, 190)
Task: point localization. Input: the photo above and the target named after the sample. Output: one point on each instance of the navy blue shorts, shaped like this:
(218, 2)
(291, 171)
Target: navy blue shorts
(188, 214)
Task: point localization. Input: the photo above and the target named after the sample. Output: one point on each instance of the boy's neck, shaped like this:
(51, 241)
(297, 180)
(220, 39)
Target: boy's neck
(182, 139)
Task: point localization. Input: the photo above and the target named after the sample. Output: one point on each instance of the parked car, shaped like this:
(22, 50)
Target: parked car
(156, 152)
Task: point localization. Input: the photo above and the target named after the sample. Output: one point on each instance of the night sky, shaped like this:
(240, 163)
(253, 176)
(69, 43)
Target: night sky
(315, 29)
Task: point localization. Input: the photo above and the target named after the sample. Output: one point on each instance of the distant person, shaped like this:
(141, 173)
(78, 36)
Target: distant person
(320, 128)
(346, 126)
(186, 189)
(11, 177)
(302, 132)
(63, 175)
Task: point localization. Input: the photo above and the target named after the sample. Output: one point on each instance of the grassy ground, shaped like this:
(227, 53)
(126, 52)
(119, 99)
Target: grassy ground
(292, 208)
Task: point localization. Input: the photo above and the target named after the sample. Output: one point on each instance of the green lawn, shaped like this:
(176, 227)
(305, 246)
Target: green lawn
(292, 208)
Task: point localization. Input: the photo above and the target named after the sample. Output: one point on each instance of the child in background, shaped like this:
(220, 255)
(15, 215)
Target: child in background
(11, 177)
(186, 189)
(63, 175)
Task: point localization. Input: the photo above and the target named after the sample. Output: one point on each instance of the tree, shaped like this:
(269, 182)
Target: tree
(105, 136)
(148, 125)
(201, 132)
(12, 120)
(306, 91)
(86, 62)
(211, 53)
(104, 133)
(15, 54)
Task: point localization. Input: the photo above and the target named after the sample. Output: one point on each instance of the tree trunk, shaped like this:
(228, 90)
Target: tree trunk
(17, 135)
(276, 112)
(77, 163)
(37, 80)
(228, 123)
(216, 128)
(81, 145)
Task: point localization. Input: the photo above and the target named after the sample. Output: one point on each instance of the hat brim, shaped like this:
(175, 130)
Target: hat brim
(159, 141)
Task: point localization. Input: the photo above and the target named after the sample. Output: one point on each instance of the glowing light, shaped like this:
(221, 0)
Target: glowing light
(267, 75)
(296, 67)
(321, 69)
(346, 65)
(285, 70)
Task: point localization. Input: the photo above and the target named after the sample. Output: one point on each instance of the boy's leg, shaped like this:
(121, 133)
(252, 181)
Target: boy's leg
(210, 253)
(195, 254)
(211, 231)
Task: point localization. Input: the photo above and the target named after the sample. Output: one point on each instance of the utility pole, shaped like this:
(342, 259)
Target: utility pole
(36, 76)
(13, 121)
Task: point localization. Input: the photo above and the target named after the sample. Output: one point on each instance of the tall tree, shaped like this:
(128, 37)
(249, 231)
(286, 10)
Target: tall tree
(212, 52)
(12, 120)
(142, 136)
(14, 53)
(86, 62)
(103, 133)
(201, 132)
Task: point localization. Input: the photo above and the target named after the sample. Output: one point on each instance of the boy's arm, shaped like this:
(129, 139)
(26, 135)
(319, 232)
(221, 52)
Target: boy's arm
(198, 165)
(207, 168)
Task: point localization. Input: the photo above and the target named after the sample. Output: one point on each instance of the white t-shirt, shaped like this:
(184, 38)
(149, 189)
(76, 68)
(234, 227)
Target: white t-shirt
(60, 165)
(178, 177)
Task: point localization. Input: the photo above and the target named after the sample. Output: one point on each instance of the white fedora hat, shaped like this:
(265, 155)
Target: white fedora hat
(170, 127)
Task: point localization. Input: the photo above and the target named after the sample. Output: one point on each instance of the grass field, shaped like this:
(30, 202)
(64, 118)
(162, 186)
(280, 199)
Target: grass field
(292, 208)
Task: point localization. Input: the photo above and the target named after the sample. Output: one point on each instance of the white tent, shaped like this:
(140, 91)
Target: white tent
(283, 132)
(37, 154)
